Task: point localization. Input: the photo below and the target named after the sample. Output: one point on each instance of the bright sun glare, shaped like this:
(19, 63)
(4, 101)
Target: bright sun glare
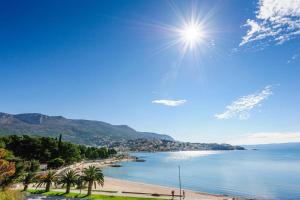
(191, 34)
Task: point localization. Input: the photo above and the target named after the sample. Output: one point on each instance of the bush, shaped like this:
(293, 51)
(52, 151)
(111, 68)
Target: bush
(44, 149)
(11, 195)
(34, 165)
(55, 163)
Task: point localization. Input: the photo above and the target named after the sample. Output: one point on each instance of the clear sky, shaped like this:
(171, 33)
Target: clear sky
(236, 78)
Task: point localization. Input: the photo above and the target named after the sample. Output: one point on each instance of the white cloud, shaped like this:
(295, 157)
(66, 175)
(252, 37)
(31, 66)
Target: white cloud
(169, 102)
(267, 138)
(293, 58)
(242, 106)
(275, 21)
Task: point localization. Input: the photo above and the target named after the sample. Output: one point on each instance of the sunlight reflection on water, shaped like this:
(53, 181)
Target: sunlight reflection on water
(183, 155)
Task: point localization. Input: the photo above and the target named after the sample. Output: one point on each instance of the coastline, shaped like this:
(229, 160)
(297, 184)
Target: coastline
(109, 162)
(120, 187)
(132, 188)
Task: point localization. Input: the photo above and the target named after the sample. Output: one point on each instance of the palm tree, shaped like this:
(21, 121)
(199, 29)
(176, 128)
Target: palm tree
(69, 179)
(47, 179)
(80, 183)
(93, 175)
(30, 173)
(28, 178)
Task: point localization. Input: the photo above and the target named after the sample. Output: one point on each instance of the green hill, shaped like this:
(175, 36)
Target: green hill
(75, 130)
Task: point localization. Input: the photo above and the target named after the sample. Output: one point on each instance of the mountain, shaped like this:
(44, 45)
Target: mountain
(75, 130)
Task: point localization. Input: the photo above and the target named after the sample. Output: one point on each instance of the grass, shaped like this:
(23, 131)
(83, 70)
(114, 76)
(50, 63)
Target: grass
(91, 197)
(11, 195)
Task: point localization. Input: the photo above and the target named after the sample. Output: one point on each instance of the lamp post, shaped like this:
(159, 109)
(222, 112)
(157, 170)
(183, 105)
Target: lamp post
(179, 182)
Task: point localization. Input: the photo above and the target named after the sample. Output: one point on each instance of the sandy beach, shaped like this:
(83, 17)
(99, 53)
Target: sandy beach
(98, 163)
(118, 187)
(130, 188)
(113, 186)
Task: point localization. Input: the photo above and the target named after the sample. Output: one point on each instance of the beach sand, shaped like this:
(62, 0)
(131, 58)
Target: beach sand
(118, 187)
(122, 186)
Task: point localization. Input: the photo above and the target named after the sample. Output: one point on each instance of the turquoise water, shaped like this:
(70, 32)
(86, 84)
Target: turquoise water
(266, 173)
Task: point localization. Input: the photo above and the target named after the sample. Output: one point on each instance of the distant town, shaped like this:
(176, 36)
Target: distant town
(153, 145)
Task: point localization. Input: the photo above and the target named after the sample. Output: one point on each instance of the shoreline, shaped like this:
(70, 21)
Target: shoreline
(125, 188)
(121, 187)
(109, 162)
(147, 190)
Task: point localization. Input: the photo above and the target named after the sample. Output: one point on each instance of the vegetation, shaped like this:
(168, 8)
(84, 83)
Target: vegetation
(7, 169)
(91, 197)
(31, 167)
(21, 169)
(28, 179)
(56, 153)
(88, 132)
(10, 169)
(70, 178)
(55, 163)
(91, 176)
(47, 179)
(11, 195)
(46, 149)
(26, 172)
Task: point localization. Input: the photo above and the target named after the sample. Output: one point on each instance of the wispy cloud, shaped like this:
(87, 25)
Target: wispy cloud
(169, 102)
(293, 58)
(267, 138)
(241, 107)
(275, 21)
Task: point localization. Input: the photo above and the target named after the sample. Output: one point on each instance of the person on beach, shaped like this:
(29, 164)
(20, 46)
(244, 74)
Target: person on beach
(183, 194)
(173, 194)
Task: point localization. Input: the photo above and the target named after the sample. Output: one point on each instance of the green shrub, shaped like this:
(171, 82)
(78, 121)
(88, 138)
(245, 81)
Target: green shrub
(55, 163)
(11, 195)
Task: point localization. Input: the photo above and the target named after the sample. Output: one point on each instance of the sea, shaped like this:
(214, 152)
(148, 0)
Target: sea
(262, 173)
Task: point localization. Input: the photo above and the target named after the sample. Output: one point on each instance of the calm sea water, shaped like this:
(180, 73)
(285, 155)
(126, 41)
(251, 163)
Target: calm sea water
(265, 173)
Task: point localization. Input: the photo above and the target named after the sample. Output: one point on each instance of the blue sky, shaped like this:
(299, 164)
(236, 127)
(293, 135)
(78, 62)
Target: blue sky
(105, 60)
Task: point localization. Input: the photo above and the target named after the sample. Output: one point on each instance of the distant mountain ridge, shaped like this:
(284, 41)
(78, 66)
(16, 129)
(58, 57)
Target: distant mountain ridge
(87, 132)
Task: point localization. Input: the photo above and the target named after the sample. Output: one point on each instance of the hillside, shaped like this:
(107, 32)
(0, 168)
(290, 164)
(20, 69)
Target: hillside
(75, 130)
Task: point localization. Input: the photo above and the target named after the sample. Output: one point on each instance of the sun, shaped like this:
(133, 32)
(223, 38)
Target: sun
(191, 34)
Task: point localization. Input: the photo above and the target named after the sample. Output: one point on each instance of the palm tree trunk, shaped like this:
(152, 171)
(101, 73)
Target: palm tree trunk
(25, 187)
(90, 188)
(48, 187)
(68, 188)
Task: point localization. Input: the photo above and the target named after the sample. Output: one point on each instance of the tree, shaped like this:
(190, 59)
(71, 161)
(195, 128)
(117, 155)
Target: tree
(80, 183)
(7, 169)
(44, 149)
(29, 175)
(55, 163)
(47, 179)
(28, 179)
(69, 179)
(70, 152)
(59, 145)
(112, 152)
(34, 165)
(59, 142)
(11, 169)
(92, 175)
